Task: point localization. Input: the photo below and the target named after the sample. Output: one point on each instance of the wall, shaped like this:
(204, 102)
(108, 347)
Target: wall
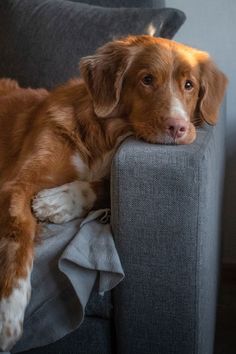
(211, 26)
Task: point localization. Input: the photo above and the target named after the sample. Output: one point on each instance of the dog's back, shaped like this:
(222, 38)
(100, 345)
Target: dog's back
(16, 111)
(7, 86)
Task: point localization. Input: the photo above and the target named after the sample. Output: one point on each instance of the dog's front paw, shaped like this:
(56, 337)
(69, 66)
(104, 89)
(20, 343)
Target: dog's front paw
(12, 310)
(64, 203)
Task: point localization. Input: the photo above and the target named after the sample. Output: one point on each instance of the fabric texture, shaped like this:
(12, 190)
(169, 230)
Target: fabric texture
(68, 266)
(174, 220)
(42, 41)
(95, 336)
(125, 3)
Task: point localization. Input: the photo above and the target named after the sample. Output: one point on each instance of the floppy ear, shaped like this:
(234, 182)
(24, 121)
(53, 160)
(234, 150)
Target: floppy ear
(212, 90)
(103, 74)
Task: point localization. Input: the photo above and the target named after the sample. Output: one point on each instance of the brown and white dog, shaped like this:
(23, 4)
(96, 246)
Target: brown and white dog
(156, 89)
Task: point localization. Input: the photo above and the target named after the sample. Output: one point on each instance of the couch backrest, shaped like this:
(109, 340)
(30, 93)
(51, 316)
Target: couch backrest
(126, 3)
(42, 41)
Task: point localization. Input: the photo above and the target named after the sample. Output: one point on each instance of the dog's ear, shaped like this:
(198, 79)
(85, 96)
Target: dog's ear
(103, 74)
(212, 89)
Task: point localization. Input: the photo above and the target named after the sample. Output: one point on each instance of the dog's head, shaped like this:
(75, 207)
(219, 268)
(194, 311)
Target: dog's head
(163, 88)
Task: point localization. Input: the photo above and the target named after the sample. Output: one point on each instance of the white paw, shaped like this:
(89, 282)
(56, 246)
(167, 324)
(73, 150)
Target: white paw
(12, 310)
(64, 203)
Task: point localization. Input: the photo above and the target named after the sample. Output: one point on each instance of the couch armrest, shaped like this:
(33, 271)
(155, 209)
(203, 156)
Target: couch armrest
(165, 218)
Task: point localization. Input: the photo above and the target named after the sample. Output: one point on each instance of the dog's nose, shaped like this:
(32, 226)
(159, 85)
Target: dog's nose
(175, 127)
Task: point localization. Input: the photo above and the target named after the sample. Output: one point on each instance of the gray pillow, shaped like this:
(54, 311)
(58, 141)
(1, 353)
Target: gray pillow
(125, 3)
(42, 41)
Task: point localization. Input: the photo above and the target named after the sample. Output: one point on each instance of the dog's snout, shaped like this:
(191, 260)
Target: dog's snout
(175, 127)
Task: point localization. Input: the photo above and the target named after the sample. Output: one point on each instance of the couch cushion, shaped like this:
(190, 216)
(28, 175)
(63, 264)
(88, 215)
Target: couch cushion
(124, 3)
(41, 42)
(93, 337)
(99, 305)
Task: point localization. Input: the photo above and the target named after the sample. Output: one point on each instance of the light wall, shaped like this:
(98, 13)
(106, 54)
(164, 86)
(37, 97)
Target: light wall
(211, 26)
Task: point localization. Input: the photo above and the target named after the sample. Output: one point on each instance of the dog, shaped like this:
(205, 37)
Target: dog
(60, 143)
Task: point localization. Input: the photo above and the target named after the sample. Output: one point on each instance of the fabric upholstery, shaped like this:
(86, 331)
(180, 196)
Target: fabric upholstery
(41, 41)
(165, 219)
(125, 3)
(95, 336)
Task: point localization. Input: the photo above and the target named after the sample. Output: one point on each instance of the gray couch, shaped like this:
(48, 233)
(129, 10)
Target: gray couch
(165, 203)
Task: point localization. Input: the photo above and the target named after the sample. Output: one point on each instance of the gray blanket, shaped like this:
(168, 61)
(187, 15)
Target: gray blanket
(67, 265)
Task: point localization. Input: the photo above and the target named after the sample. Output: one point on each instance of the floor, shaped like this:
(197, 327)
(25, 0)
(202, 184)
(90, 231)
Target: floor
(226, 320)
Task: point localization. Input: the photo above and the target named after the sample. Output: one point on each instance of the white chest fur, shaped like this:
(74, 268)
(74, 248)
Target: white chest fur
(100, 168)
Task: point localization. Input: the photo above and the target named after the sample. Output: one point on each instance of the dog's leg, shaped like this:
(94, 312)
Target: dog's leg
(69, 201)
(17, 232)
(18, 228)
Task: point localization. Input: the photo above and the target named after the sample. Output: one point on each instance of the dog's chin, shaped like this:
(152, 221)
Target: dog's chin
(166, 139)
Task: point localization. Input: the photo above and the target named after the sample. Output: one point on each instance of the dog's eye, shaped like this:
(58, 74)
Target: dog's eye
(147, 80)
(188, 85)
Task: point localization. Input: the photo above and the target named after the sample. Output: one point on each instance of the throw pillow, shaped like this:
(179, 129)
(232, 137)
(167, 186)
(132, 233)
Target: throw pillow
(42, 41)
